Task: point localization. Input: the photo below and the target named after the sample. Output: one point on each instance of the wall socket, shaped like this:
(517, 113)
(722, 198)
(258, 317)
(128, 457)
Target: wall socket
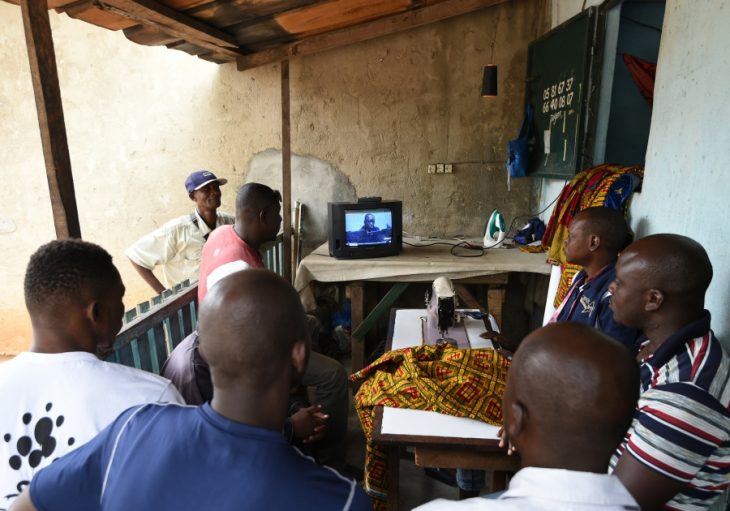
(440, 168)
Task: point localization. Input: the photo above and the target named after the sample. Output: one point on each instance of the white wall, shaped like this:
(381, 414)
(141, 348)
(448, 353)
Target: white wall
(687, 182)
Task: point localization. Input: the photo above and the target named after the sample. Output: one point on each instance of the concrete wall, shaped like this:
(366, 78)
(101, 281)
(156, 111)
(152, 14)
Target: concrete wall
(368, 118)
(686, 186)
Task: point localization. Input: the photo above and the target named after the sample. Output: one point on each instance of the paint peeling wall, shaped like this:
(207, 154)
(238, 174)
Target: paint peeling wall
(370, 116)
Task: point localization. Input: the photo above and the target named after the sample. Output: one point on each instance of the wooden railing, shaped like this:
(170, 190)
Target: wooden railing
(152, 329)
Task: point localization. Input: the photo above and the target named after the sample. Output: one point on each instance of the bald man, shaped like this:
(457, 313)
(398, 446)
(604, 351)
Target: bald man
(228, 454)
(677, 450)
(570, 396)
(233, 248)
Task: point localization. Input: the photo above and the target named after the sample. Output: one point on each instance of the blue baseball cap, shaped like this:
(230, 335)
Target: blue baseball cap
(200, 178)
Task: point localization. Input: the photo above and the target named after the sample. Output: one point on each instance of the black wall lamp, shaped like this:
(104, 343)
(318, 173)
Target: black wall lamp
(489, 81)
(489, 78)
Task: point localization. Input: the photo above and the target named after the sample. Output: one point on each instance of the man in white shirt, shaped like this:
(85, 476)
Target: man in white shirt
(570, 397)
(177, 245)
(59, 395)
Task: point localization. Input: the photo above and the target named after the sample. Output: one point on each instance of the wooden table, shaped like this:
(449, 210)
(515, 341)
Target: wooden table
(420, 263)
(456, 442)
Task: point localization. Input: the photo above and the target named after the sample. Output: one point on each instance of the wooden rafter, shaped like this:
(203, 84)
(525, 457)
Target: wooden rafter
(43, 71)
(365, 31)
(174, 23)
(286, 170)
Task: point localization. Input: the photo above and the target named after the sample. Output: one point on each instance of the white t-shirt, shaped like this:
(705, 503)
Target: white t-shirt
(549, 489)
(176, 247)
(52, 403)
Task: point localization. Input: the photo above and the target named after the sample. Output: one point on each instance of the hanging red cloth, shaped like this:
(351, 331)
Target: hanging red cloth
(644, 73)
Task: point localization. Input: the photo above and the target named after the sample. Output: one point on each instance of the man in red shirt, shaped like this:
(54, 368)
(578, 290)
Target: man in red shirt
(233, 248)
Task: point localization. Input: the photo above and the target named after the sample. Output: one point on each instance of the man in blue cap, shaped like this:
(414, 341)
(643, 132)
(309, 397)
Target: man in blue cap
(176, 246)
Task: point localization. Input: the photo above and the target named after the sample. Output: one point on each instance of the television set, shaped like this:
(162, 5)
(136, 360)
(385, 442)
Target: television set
(370, 227)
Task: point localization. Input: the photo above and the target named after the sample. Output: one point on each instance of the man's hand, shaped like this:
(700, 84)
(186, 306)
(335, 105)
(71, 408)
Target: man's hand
(148, 277)
(505, 443)
(501, 343)
(310, 424)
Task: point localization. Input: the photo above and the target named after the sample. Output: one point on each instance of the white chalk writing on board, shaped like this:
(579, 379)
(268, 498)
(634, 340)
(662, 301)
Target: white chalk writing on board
(558, 96)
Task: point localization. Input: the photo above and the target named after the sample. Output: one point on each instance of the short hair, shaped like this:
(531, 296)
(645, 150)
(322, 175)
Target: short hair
(610, 225)
(255, 197)
(64, 270)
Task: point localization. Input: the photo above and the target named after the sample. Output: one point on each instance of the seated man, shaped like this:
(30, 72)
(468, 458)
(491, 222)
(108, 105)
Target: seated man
(190, 373)
(595, 238)
(225, 455)
(234, 248)
(551, 417)
(678, 448)
(58, 395)
(177, 245)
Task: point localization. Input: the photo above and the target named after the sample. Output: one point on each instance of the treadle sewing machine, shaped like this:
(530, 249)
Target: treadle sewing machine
(443, 323)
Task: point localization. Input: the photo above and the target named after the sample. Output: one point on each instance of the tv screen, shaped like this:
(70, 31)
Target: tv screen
(369, 227)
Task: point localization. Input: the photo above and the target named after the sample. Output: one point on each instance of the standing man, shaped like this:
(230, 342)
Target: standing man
(676, 454)
(571, 392)
(233, 248)
(177, 245)
(58, 395)
(225, 455)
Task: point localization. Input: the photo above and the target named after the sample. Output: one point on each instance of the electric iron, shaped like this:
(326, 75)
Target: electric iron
(495, 230)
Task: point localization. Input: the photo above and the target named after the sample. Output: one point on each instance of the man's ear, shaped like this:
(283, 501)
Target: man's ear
(299, 358)
(654, 300)
(517, 422)
(594, 242)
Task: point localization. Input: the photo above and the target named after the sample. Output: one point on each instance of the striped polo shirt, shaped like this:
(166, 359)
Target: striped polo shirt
(681, 427)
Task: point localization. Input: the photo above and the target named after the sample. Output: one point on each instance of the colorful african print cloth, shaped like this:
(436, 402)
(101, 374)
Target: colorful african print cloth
(444, 379)
(605, 185)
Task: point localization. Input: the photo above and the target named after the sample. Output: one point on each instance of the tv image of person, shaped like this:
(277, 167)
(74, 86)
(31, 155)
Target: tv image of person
(369, 224)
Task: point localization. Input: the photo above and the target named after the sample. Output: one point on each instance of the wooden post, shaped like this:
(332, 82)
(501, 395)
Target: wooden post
(286, 168)
(44, 74)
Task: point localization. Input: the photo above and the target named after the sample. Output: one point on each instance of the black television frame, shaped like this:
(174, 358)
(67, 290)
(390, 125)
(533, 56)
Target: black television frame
(337, 234)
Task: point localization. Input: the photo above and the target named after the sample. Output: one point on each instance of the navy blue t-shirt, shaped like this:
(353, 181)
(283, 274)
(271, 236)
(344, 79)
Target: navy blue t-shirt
(170, 457)
(588, 302)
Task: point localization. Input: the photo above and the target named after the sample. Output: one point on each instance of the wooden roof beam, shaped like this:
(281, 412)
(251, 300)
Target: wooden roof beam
(365, 31)
(44, 74)
(174, 23)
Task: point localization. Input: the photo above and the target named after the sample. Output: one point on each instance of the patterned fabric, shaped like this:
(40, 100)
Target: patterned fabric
(604, 185)
(681, 427)
(444, 379)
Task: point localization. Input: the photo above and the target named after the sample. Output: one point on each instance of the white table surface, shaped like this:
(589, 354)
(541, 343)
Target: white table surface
(403, 421)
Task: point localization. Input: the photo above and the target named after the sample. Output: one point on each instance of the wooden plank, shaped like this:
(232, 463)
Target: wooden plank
(465, 457)
(356, 291)
(366, 31)
(337, 14)
(88, 11)
(174, 23)
(44, 75)
(495, 303)
(286, 169)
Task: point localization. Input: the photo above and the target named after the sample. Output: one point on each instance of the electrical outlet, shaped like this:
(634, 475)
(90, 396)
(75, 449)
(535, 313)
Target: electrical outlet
(439, 168)
(448, 168)
(431, 168)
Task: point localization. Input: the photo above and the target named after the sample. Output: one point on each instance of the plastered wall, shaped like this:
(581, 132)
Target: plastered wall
(371, 116)
(686, 183)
